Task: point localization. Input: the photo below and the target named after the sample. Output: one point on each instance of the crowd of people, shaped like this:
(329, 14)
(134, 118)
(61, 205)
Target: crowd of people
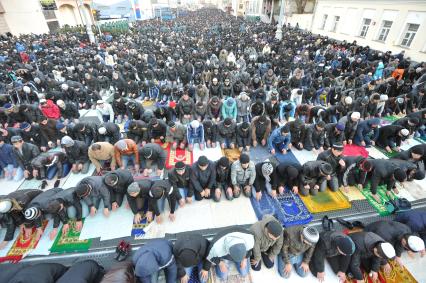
(215, 81)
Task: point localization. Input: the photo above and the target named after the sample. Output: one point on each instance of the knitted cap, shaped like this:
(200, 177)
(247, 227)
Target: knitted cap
(244, 158)
(345, 245)
(275, 228)
(311, 234)
(133, 188)
(32, 213)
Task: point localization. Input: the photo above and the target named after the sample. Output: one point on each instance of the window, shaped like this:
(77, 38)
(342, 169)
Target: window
(324, 21)
(336, 22)
(384, 31)
(409, 34)
(365, 26)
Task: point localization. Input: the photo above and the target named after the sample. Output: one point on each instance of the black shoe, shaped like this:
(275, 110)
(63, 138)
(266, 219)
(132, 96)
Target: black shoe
(327, 224)
(345, 223)
(43, 184)
(57, 183)
(358, 224)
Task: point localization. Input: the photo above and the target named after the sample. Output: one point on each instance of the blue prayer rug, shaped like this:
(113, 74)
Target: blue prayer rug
(287, 158)
(288, 208)
(193, 278)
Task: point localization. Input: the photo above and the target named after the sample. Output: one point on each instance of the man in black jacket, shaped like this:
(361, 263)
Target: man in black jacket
(117, 182)
(86, 132)
(371, 251)
(286, 175)
(313, 137)
(223, 177)
(243, 136)
(384, 172)
(12, 209)
(69, 112)
(138, 131)
(32, 134)
(39, 207)
(333, 157)
(180, 178)
(77, 154)
(190, 250)
(151, 154)
(109, 132)
(416, 154)
(92, 190)
(43, 163)
(203, 180)
(337, 248)
(210, 133)
(355, 172)
(334, 133)
(137, 195)
(312, 175)
(157, 129)
(391, 136)
(24, 154)
(296, 128)
(399, 235)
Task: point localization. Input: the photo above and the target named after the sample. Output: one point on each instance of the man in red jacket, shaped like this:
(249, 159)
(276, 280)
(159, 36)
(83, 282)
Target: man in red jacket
(49, 109)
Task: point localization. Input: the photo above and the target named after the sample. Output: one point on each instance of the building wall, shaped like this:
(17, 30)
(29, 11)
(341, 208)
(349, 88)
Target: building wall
(24, 16)
(353, 13)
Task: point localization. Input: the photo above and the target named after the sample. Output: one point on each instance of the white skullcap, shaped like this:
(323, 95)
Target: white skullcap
(5, 205)
(355, 115)
(348, 100)
(415, 243)
(60, 102)
(383, 97)
(405, 132)
(195, 124)
(387, 250)
(102, 130)
(26, 89)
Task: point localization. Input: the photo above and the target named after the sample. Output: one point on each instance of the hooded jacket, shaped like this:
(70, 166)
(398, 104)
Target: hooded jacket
(193, 242)
(50, 110)
(312, 137)
(132, 148)
(153, 256)
(243, 105)
(112, 132)
(364, 244)
(382, 172)
(262, 242)
(220, 244)
(229, 109)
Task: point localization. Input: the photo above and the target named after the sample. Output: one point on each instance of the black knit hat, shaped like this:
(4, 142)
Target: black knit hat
(417, 150)
(224, 162)
(275, 228)
(180, 165)
(345, 245)
(203, 161)
(244, 158)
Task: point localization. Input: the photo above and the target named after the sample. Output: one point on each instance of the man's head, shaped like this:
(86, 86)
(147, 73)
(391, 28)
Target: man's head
(17, 141)
(95, 147)
(32, 213)
(244, 160)
(60, 103)
(156, 192)
(400, 175)
(404, 133)
(355, 116)
(274, 229)
(5, 205)
(325, 169)
(320, 125)
(203, 162)
(237, 252)
(412, 243)
(340, 127)
(284, 130)
(121, 145)
(384, 250)
(111, 179)
(417, 153)
(365, 165)
(227, 122)
(133, 189)
(25, 126)
(180, 168)
(267, 168)
(67, 141)
(337, 149)
(195, 124)
(100, 104)
(223, 163)
(310, 236)
(345, 245)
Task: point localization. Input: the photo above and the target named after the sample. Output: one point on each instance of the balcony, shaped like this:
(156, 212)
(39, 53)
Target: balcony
(49, 14)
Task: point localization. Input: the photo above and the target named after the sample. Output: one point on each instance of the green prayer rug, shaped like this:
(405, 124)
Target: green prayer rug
(70, 241)
(388, 154)
(381, 192)
(391, 118)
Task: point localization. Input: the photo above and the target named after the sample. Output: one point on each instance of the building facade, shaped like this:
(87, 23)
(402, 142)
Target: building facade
(382, 25)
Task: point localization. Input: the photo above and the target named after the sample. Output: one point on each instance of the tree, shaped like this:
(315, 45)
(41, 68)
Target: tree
(301, 4)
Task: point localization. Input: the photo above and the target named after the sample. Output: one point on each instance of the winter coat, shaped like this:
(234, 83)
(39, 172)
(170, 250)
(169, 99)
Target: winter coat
(7, 157)
(364, 244)
(333, 160)
(105, 153)
(177, 135)
(112, 132)
(220, 244)
(185, 107)
(311, 173)
(210, 131)
(241, 176)
(125, 178)
(24, 157)
(332, 136)
(138, 131)
(312, 137)
(85, 271)
(35, 136)
(350, 126)
(243, 106)
(326, 248)
(158, 155)
(213, 110)
(50, 110)
(415, 219)
(243, 137)
(277, 138)
(262, 242)
(132, 148)
(382, 172)
(152, 257)
(190, 242)
(389, 134)
(69, 112)
(293, 245)
(69, 198)
(49, 131)
(45, 158)
(157, 132)
(181, 181)
(364, 128)
(202, 179)
(77, 153)
(90, 130)
(259, 130)
(352, 168)
(280, 176)
(202, 94)
(39, 273)
(42, 202)
(228, 133)
(229, 109)
(99, 191)
(391, 231)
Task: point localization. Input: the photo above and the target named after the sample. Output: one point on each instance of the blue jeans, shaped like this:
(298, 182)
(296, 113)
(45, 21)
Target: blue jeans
(18, 176)
(184, 193)
(188, 271)
(126, 158)
(296, 261)
(243, 272)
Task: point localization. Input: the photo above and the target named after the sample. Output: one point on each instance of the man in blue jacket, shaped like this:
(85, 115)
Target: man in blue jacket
(195, 134)
(367, 132)
(279, 141)
(151, 258)
(8, 163)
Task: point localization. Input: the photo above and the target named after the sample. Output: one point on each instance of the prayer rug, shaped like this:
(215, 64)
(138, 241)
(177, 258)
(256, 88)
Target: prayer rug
(69, 242)
(213, 153)
(259, 154)
(174, 156)
(287, 158)
(233, 277)
(288, 208)
(353, 194)
(21, 247)
(398, 274)
(231, 154)
(381, 192)
(355, 150)
(421, 139)
(391, 118)
(304, 155)
(147, 103)
(387, 154)
(326, 201)
(407, 144)
(138, 229)
(373, 152)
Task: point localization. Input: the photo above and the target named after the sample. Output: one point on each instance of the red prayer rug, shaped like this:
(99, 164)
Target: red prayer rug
(22, 246)
(174, 156)
(354, 150)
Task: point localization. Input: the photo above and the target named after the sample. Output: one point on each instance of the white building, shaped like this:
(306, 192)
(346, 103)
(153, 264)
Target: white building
(380, 24)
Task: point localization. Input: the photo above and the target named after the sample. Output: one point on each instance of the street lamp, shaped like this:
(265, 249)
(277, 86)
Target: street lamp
(279, 32)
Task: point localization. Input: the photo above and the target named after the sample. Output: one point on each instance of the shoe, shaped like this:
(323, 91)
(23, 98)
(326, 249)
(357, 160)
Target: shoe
(43, 184)
(57, 183)
(327, 224)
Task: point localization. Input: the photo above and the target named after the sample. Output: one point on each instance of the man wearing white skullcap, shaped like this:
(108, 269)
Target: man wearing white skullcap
(391, 136)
